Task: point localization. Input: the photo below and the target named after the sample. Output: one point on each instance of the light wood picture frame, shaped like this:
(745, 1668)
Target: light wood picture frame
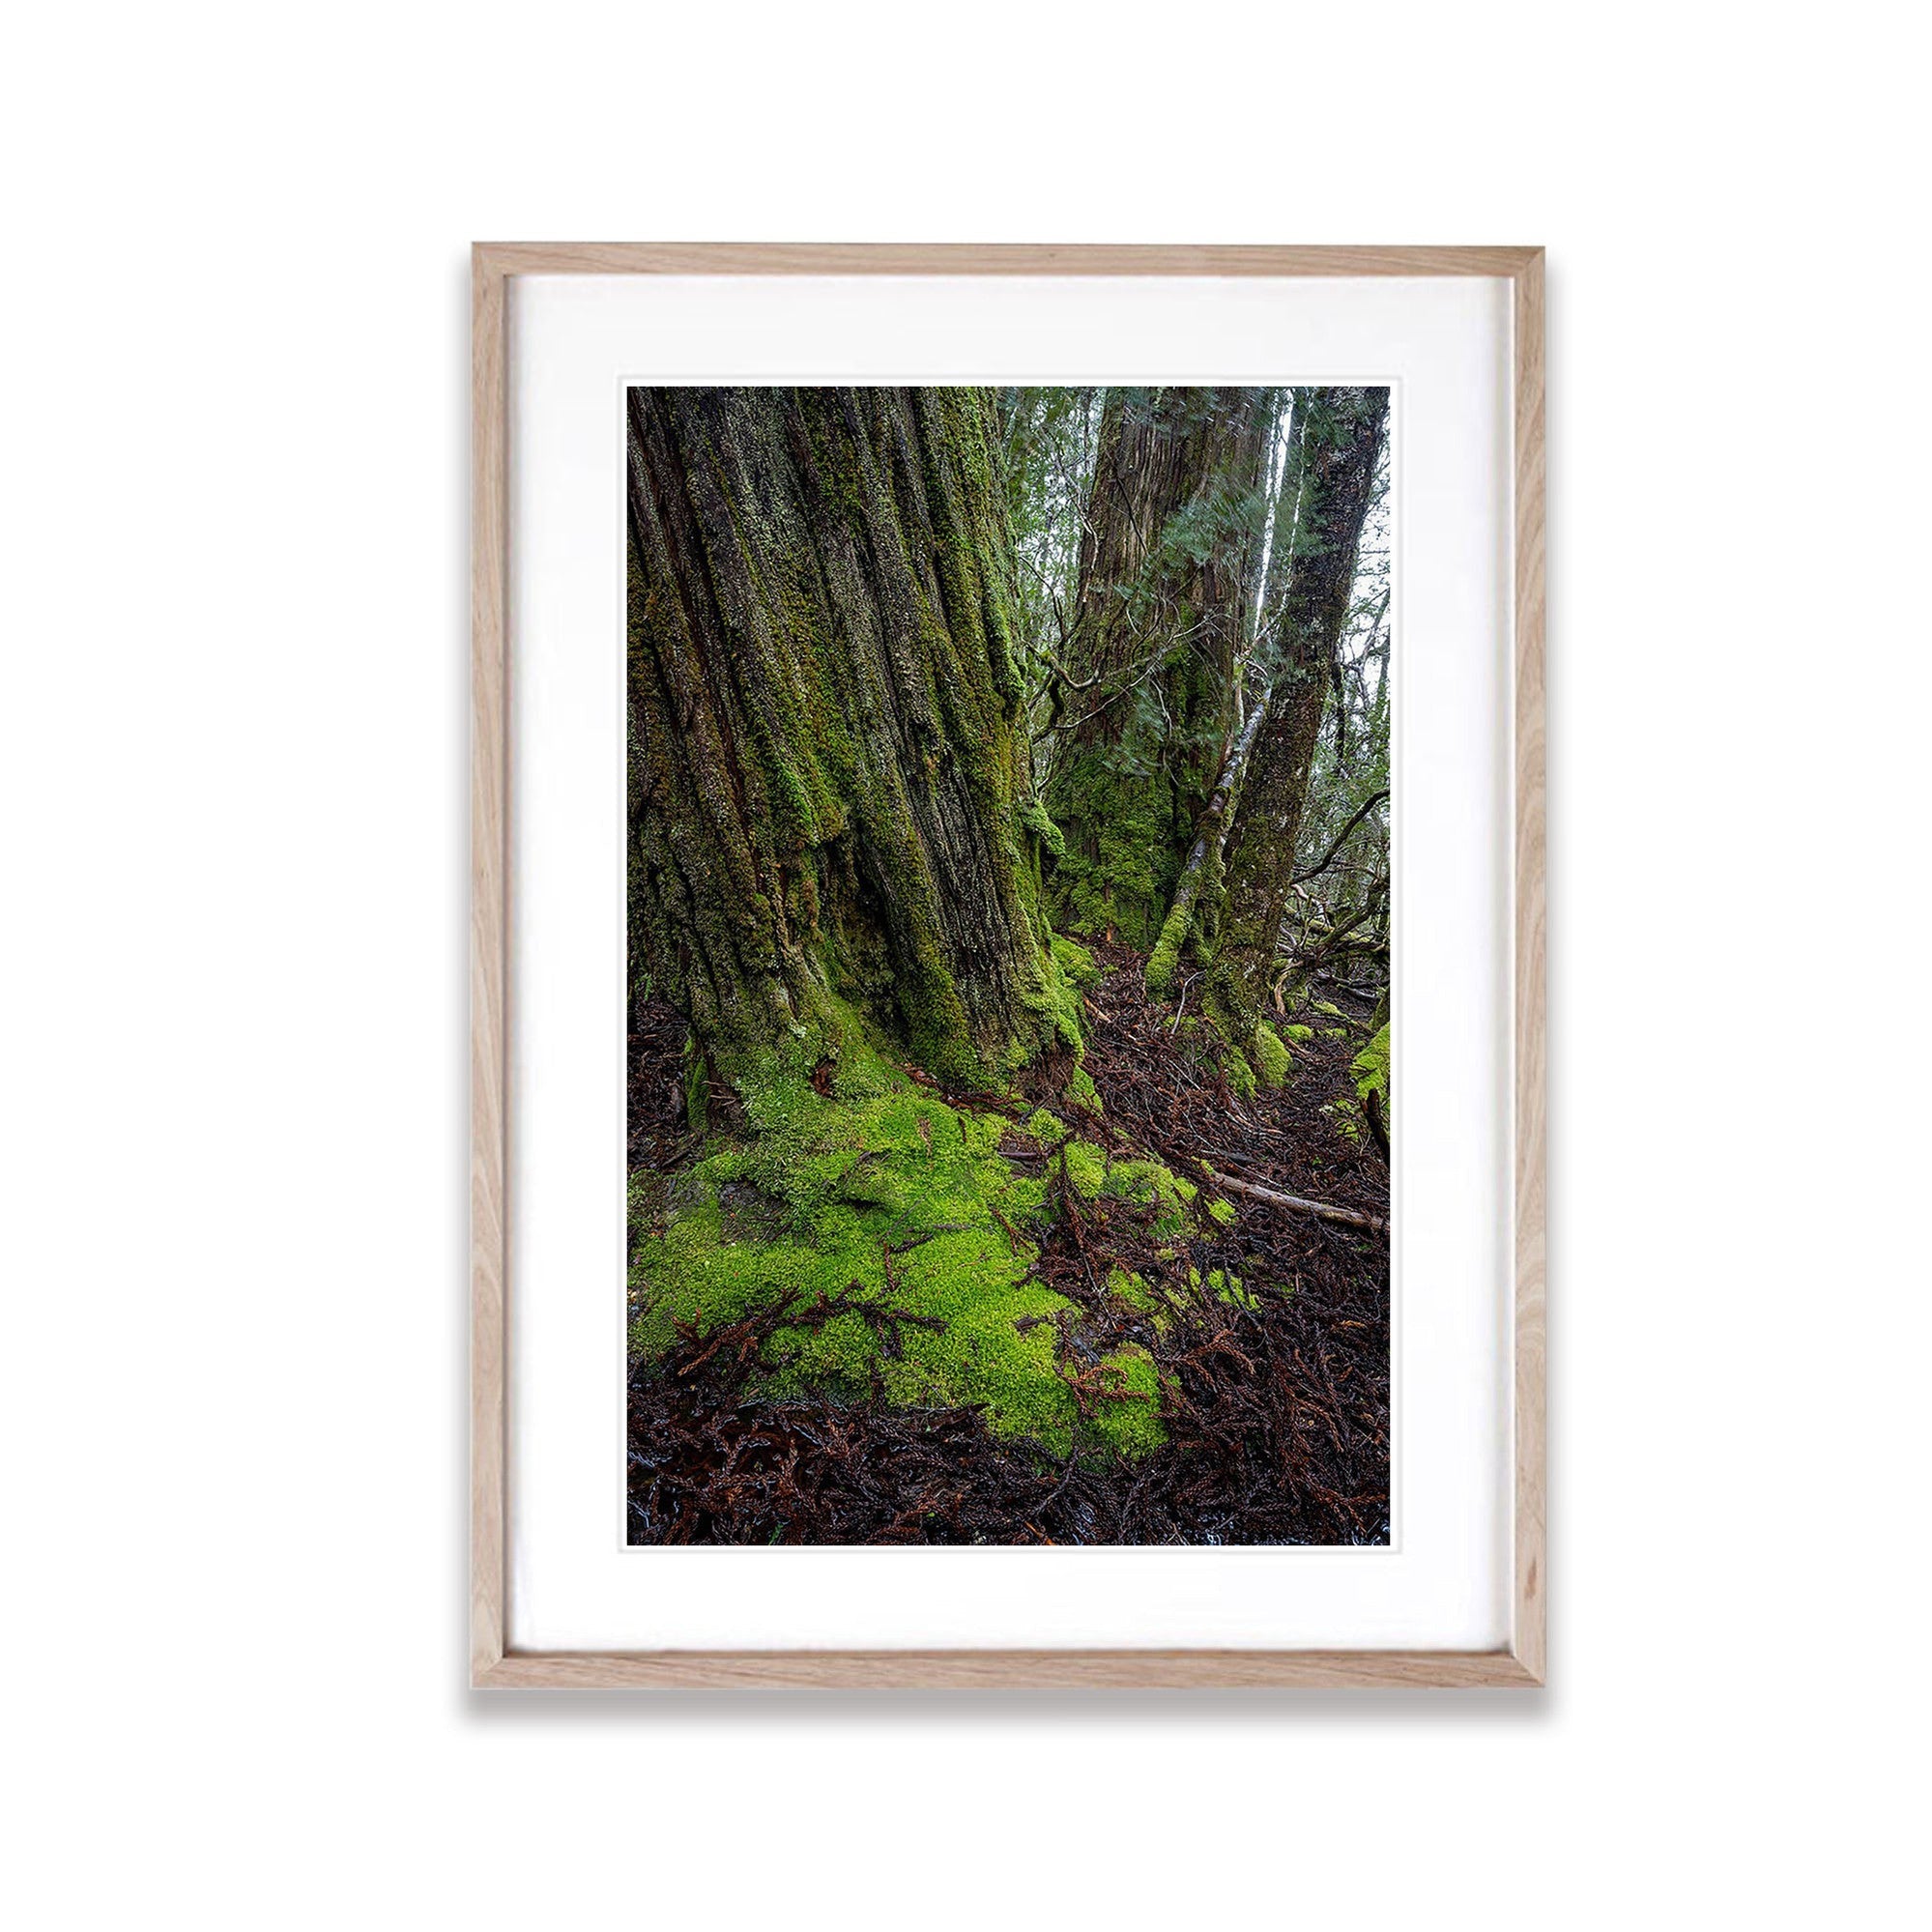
(1521, 1661)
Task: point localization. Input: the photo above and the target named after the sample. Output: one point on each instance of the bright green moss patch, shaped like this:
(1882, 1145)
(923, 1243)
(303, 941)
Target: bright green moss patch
(1369, 1069)
(877, 1192)
(1046, 1128)
(1240, 1075)
(1139, 1183)
(1165, 958)
(1033, 816)
(1074, 962)
(1125, 1410)
(1300, 1036)
(1086, 1167)
(1270, 1054)
(1222, 1212)
(1062, 1003)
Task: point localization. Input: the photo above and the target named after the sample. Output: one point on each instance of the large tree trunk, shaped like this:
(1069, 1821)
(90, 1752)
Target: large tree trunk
(828, 783)
(1340, 441)
(1168, 557)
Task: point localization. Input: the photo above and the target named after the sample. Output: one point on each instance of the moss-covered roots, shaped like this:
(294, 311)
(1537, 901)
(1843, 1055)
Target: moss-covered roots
(856, 1189)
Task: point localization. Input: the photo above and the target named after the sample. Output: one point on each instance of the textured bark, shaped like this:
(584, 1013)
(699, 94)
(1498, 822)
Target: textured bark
(1340, 446)
(829, 793)
(1162, 621)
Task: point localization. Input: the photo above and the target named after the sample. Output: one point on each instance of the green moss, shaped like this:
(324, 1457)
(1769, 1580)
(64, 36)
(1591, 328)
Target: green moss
(1224, 1287)
(821, 645)
(1139, 1183)
(1126, 1412)
(1082, 1092)
(1033, 816)
(1369, 1069)
(1300, 1036)
(1222, 1213)
(1165, 960)
(1132, 1288)
(696, 1086)
(878, 1191)
(1076, 963)
(1118, 867)
(1240, 1075)
(1272, 1056)
(1086, 1167)
(1060, 1003)
(1369, 1073)
(1046, 1128)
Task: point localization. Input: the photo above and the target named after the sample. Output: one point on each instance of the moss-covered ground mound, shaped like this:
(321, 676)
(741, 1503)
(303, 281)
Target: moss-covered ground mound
(906, 1240)
(867, 1308)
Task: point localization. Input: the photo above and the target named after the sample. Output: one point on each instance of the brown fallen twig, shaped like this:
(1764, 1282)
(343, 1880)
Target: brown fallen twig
(1323, 1210)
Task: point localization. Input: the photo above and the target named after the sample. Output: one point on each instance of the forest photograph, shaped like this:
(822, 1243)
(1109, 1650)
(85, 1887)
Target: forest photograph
(1009, 1055)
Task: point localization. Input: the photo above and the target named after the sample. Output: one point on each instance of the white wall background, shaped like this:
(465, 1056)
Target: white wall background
(231, 938)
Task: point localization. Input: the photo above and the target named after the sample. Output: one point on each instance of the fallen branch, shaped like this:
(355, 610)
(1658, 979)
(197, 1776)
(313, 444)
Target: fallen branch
(1323, 1210)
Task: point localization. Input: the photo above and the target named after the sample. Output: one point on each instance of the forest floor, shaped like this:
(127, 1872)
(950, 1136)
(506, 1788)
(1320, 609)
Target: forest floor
(1275, 1402)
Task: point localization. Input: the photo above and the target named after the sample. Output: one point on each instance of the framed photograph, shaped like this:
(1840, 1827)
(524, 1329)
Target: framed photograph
(1007, 994)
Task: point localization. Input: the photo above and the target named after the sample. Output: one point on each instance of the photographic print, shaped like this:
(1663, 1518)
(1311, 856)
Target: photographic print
(1008, 972)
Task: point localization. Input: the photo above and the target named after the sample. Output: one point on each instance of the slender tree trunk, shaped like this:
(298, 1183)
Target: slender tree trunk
(1341, 449)
(829, 786)
(1167, 575)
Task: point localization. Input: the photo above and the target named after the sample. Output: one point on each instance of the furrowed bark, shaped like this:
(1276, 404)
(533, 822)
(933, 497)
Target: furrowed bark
(1167, 580)
(1340, 449)
(829, 789)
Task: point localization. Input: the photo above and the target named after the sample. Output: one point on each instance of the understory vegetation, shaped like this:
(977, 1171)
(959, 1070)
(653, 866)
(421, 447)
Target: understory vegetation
(1010, 1057)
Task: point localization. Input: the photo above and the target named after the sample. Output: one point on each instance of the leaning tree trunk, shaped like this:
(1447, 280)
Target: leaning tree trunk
(830, 788)
(1340, 446)
(1168, 560)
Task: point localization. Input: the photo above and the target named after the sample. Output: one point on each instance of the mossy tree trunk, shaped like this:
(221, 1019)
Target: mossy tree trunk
(1168, 557)
(829, 781)
(1340, 445)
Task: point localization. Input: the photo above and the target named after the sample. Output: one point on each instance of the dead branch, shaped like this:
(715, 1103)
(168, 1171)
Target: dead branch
(1323, 1210)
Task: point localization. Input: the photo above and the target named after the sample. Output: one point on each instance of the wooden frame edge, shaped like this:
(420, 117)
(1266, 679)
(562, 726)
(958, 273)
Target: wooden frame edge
(1009, 1670)
(1529, 1622)
(1523, 1663)
(489, 962)
(502, 259)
